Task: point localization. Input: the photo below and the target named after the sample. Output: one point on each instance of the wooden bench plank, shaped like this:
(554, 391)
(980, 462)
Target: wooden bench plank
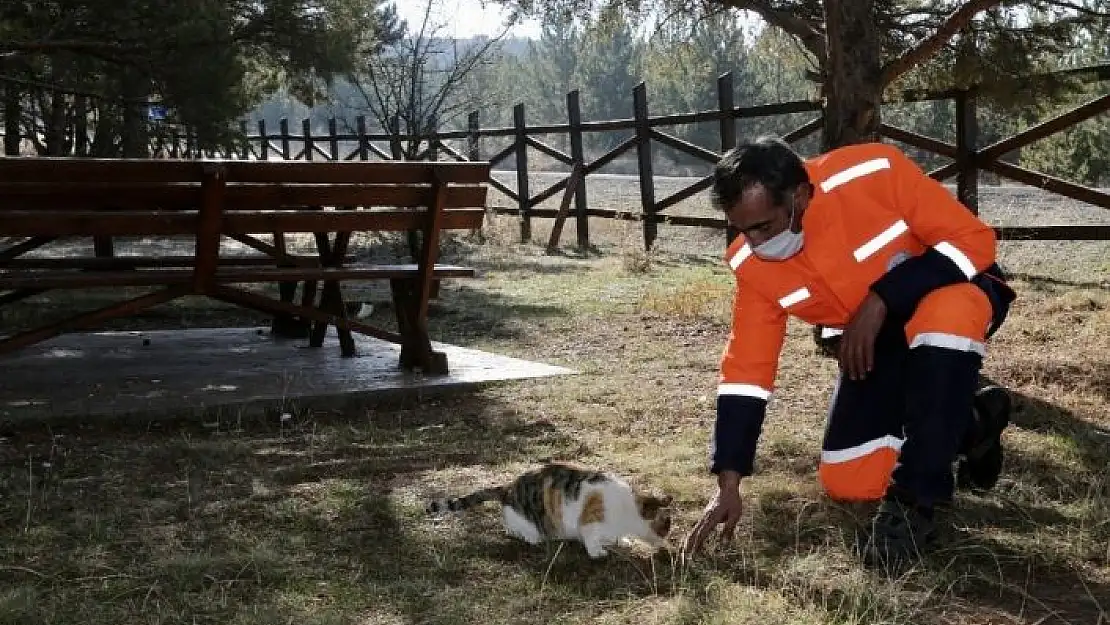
(164, 223)
(363, 172)
(67, 196)
(79, 169)
(72, 279)
(134, 262)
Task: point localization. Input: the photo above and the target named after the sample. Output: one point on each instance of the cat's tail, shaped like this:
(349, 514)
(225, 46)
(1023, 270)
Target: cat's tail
(457, 504)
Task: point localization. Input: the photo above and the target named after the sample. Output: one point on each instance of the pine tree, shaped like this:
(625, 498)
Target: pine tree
(67, 63)
(860, 49)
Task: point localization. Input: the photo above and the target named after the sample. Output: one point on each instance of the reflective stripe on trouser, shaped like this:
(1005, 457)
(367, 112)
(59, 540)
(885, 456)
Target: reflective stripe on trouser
(864, 430)
(911, 408)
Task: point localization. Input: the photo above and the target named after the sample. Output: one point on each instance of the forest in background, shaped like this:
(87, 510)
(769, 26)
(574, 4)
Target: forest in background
(604, 58)
(108, 79)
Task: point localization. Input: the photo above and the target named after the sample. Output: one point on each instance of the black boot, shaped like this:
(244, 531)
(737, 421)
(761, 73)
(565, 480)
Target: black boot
(980, 461)
(900, 532)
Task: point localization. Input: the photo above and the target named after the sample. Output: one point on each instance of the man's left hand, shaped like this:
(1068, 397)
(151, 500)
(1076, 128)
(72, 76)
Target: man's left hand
(857, 345)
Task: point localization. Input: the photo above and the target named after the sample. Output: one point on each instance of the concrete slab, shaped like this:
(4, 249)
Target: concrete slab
(152, 372)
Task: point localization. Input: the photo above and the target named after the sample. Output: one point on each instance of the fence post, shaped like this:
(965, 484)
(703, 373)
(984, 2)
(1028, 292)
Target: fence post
(522, 173)
(81, 126)
(433, 138)
(581, 217)
(245, 150)
(967, 139)
(726, 105)
(309, 145)
(395, 147)
(263, 141)
(286, 149)
(333, 138)
(643, 151)
(12, 104)
(363, 150)
(474, 136)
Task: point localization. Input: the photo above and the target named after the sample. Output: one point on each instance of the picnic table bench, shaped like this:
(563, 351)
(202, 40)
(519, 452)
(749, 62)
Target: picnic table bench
(46, 199)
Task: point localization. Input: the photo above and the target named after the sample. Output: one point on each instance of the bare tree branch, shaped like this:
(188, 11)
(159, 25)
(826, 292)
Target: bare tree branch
(409, 82)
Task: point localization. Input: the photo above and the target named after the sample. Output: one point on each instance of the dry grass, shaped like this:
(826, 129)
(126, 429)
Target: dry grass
(317, 519)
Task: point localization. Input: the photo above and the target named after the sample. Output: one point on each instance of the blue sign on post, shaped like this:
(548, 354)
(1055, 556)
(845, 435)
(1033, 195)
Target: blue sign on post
(156, 112)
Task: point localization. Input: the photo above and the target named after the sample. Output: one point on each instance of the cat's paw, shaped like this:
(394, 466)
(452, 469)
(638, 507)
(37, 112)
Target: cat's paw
(596, 553)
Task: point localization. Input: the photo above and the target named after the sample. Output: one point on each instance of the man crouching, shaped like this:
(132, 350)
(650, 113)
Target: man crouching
(861, 242)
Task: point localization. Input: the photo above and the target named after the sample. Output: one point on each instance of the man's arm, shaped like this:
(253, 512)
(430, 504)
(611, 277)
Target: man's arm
(747, 376)
(959, 244)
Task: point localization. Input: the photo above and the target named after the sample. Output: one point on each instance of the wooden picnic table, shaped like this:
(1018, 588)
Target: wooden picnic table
(43, 200)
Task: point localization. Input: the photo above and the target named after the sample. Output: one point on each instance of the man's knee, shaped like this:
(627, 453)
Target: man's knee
(956, 317)
(860, 473)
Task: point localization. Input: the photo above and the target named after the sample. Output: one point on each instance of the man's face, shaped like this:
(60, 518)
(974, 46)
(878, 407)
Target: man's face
(757, 217)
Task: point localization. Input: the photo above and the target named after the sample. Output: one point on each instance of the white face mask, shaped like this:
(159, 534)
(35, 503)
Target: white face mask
(784, 244)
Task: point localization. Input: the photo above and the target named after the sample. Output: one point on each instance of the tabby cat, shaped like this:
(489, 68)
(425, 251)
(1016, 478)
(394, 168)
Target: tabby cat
(560, 501)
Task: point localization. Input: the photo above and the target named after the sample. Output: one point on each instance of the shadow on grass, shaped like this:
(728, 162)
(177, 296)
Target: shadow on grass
(995, 560)
(261, 518)
(804, 548)
(1034, 546)
(1090, 441)
(540, 266)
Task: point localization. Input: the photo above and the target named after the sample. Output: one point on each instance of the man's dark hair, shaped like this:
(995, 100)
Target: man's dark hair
(768, 161)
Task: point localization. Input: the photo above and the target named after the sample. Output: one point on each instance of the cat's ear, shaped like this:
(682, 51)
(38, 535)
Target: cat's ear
(650, 504)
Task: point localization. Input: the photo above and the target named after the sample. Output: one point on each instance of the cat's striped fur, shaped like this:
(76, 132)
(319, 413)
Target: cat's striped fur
(562, 501)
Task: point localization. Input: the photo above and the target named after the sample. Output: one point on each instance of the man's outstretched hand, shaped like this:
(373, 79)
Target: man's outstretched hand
(725, 507)
(857, 345)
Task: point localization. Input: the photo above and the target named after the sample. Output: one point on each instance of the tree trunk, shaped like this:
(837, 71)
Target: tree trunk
(13, 112)
(853, 74)
(105, 129)
(135, 137)
(81, 127)
(56, 125)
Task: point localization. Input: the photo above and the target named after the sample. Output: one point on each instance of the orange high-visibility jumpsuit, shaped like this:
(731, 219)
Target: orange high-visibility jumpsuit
(875, 222)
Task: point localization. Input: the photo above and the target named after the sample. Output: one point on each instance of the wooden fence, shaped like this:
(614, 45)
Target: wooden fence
(968, 159)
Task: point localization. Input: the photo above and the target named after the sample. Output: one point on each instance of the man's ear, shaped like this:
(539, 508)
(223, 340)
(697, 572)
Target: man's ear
(802, 194)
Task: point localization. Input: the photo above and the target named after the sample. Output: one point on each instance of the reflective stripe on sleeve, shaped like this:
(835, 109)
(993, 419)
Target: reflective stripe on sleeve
(955, 255)
(790, 299)
(885, 238)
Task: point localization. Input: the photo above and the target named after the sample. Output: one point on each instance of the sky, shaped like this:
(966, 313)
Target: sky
(463, 18)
